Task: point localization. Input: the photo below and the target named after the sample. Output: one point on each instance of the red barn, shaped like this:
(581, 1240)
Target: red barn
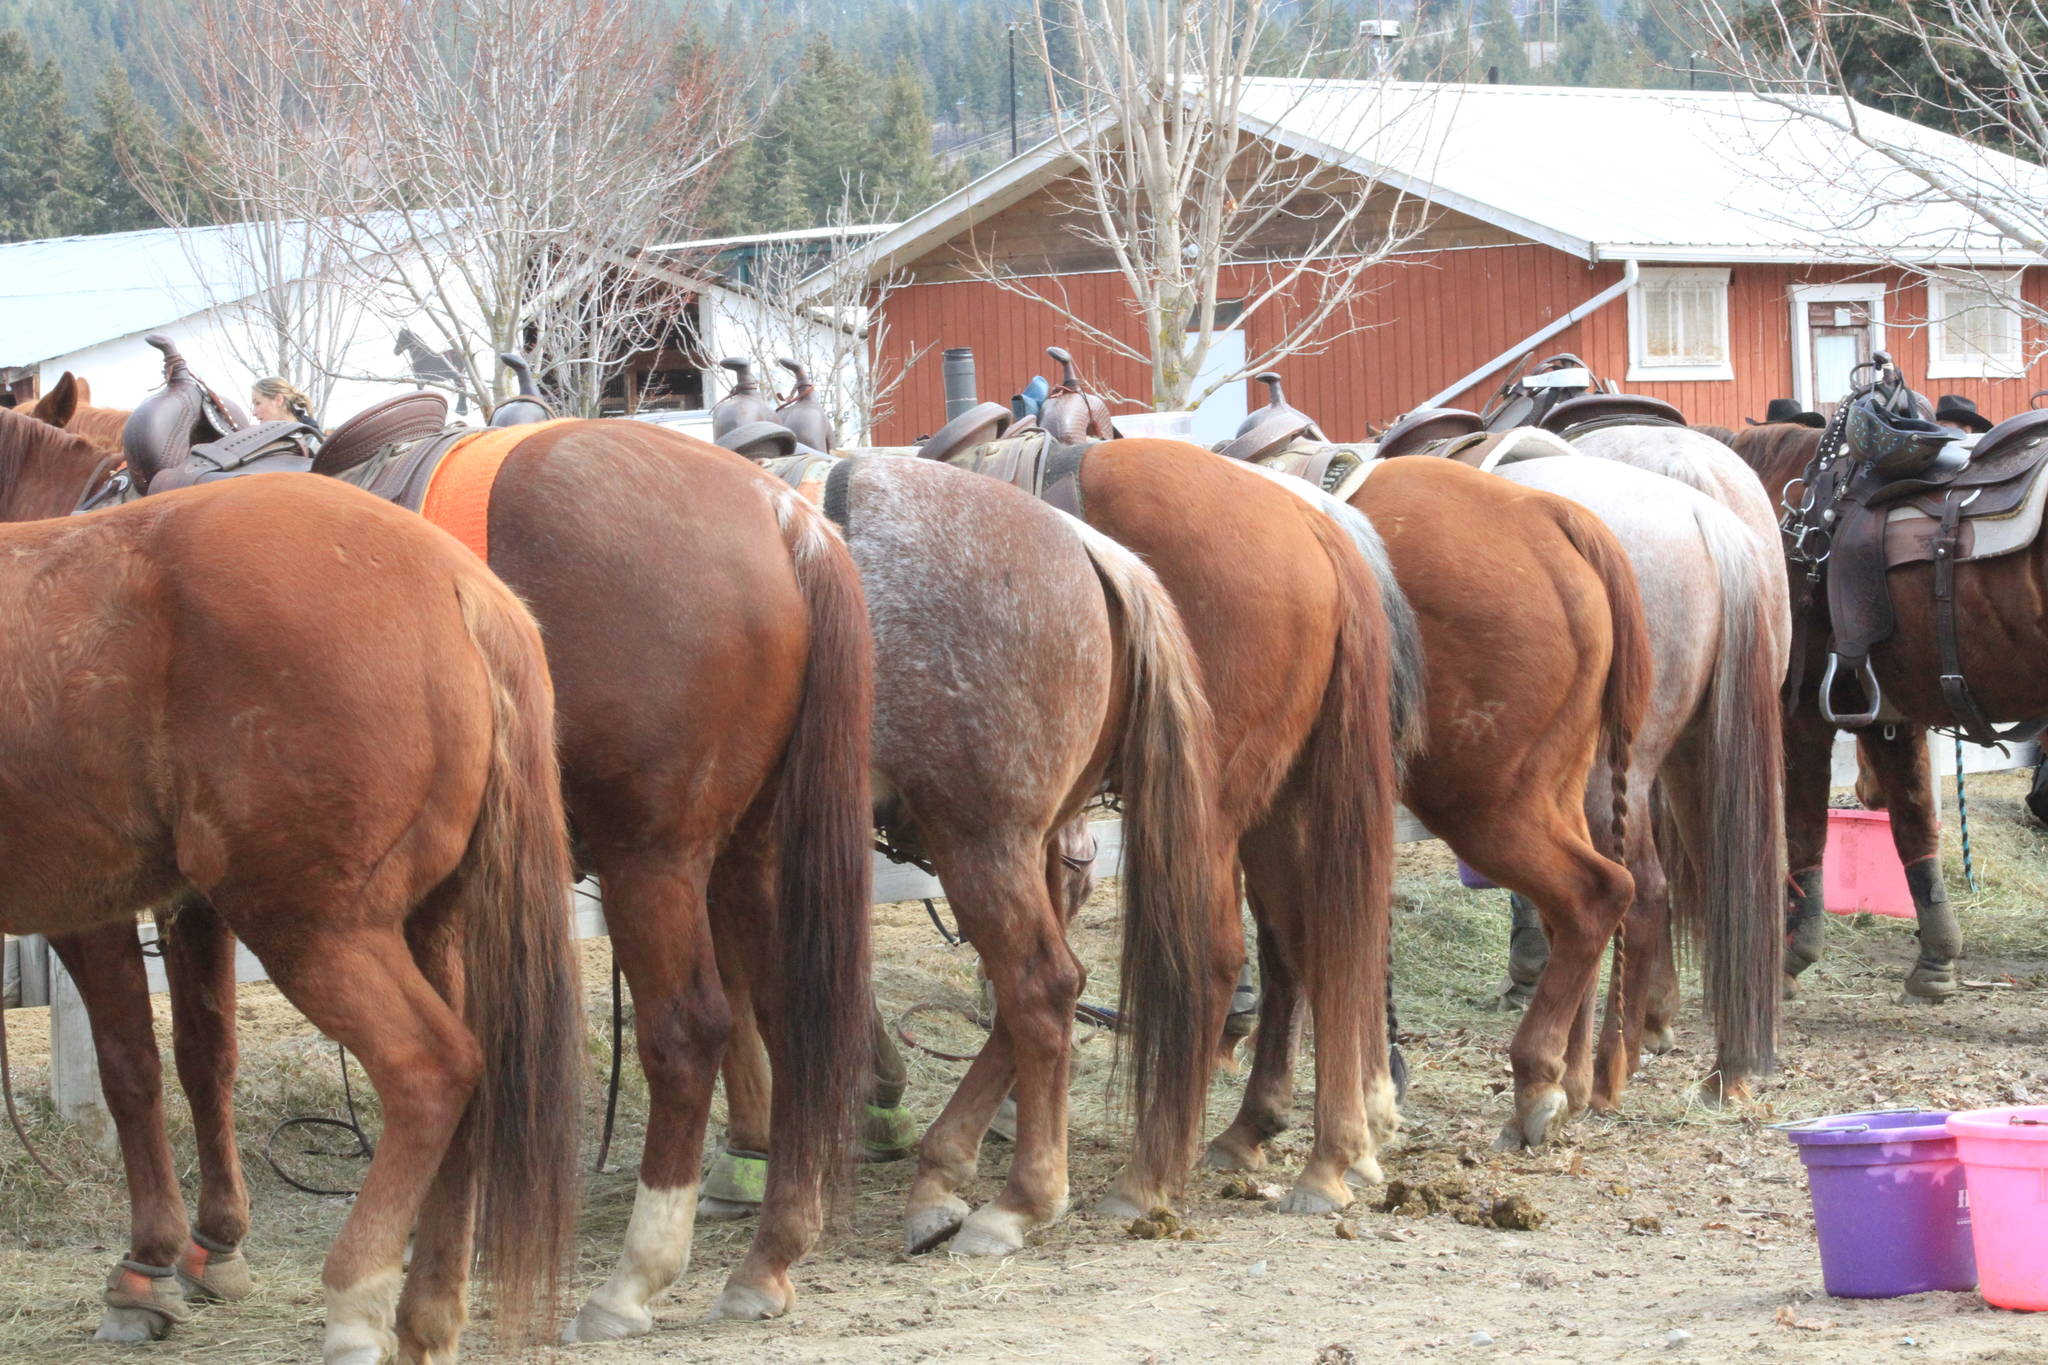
(1704, 248)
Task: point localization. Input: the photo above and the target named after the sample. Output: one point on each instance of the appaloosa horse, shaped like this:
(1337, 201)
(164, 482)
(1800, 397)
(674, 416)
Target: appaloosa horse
(355, 770)
(712, 673)
(1025, 662)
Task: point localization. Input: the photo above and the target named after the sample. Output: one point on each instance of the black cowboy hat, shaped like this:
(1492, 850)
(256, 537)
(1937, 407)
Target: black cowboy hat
(1953, 407)
(1787, 410)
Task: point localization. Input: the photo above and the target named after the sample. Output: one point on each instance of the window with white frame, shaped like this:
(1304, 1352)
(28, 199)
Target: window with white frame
(1974, 326)
(1678, 325)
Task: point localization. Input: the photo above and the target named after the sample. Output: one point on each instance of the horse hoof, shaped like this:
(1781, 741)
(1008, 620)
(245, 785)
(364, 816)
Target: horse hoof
(1118, 1207)
(1307, 1200)
(1932, 981)
(890, 1134)
(1660, 1040)
(131, 1326)
(1365, 1171)
(598, 1323)
(1536, 1123)
(711, 1209)
(1511, 996)
(925, 1228)
(356, 1355)
(1225, 1156)
(991, 1232)
(214, 1276)
(744, 1303)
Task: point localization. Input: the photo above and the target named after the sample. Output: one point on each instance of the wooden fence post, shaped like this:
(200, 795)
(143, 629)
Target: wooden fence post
(75, 1064)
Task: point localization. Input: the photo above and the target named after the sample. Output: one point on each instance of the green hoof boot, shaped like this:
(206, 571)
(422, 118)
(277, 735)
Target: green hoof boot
(887, 1134)
(735, 1180)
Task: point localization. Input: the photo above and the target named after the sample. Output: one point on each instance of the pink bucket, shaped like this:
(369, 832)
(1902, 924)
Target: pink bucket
(2005, 1163)
(1861, 872)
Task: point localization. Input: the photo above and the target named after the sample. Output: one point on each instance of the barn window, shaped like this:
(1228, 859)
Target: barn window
(1976, 326)
(1678, 325)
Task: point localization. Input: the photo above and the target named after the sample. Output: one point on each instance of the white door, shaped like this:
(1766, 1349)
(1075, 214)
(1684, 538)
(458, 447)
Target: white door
(1220, 415)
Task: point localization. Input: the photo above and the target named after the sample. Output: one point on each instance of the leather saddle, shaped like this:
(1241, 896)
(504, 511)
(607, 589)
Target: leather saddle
(1424, 431)
(803, 414)
(1068, 413)
(525, 406)
(165, 426)
(1282, 437)
(744, 404)
(401, 420)
(1965, 504)
(1037, 462)
(1593, 411)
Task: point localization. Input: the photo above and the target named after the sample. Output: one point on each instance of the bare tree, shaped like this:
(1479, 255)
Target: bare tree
(487, 173)
(808, 299)
(240, 164)
(1936, 207)
(1181, 175)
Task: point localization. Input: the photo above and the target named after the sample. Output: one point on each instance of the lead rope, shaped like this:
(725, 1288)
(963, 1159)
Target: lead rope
(1963, 820)
(611, 1089)
(352, 1125)
(13, 1116)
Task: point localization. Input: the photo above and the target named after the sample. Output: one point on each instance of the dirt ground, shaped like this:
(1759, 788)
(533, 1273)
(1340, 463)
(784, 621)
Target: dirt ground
(1667, 1231)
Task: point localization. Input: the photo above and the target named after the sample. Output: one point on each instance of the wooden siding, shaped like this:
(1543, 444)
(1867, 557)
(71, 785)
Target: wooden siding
(1428, 319)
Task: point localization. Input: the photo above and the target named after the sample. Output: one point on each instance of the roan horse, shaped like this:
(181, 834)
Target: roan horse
(1024, 662)
(1312, 671)
(333, 724)
(712, 673)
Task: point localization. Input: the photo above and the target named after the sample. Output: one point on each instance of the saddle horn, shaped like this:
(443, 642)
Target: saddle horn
(521, 371)
(525, 406)
(1065, 361)
(803, 414)
(744, 404)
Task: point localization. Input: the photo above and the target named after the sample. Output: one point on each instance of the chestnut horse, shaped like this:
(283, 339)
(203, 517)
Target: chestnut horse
(68, 404)
(1714, 602)
(712, 669)
(1995, 630)
(1023, 663)
(1539, 673)
(356, 772)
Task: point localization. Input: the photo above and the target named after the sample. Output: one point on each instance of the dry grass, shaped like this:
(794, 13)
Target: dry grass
(57, 1242)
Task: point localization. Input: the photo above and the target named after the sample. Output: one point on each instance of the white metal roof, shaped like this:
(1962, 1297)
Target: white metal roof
(62, 294)
(1656, 175)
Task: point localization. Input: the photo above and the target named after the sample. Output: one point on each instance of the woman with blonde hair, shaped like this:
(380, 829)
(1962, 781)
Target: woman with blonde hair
(278, 400)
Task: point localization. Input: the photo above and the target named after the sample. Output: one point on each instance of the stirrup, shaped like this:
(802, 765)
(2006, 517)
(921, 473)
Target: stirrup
(1866, 678)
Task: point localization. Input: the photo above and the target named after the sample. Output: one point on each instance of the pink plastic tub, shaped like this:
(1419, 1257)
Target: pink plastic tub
(2005, 1164)
(1862, 874)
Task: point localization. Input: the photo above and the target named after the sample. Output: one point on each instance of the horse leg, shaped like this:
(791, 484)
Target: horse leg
(738, 1176)
(1639, 960)
(143, 1300)
(1528, 950)
(1006, 912)
(1269, 1090)
(1809, 757)
(199, 964)
(363, 989)
(660, 930)
(1351, 1070)
(1903, 769)
(433, 1307)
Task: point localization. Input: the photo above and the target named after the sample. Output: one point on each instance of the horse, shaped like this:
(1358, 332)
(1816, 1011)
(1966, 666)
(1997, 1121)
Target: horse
(1714, 602)
(1313, 671)
(1540, 673)
(68, 404)
(1993, 631)
(713, 673)
(356, 772)
(1025, 662)
(431, 368)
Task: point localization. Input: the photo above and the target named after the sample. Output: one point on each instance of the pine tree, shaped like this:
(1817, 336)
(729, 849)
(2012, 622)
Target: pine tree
(42, 155)
(907, 176)
(1500, 44)
(126, 141)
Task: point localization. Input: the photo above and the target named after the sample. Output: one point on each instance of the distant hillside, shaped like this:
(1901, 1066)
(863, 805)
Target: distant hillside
(86, 38)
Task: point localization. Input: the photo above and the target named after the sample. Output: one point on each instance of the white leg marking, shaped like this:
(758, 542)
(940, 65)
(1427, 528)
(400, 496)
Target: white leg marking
(657, 1250)
(360, 1320)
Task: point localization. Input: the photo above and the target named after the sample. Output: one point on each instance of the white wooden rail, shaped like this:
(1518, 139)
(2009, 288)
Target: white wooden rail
(32, 975)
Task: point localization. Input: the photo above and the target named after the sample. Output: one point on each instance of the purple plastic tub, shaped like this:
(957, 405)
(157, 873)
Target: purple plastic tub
(1473, 878)
(1889, 1203)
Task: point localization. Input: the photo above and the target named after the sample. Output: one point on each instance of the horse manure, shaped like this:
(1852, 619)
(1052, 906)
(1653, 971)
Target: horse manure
(1516, 1213)
(1161, 1225)
(1646, 1225)
(1346, 1231)
(1245, 1187)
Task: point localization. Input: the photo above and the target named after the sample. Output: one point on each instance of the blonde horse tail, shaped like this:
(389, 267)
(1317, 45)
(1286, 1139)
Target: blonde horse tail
(1729, 888)
(523, 1001)
(1172, 900)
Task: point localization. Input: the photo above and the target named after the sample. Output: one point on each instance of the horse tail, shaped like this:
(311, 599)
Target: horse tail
(1625, 696)
(824, 819)
(1172, 902)
(1730, 886)
(523, 1002)
(1349, 783)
